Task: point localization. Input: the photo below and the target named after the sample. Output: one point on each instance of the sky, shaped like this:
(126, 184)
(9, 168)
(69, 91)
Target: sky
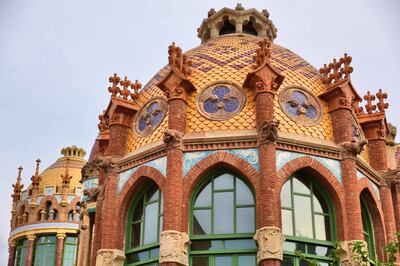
(56, 57)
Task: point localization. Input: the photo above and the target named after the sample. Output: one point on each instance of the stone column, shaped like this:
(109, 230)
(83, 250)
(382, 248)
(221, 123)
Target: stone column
(84, 237)
(396, 201)
(265, 81)
(60, 248)
(12, 249)
(30, 249)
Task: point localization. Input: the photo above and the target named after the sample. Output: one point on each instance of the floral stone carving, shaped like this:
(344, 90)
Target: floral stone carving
(354, 253)
(150, 116)
(172, 138)
(270, 243)
(221, 101)
(174, 247)
(110, 257)
(268, 132)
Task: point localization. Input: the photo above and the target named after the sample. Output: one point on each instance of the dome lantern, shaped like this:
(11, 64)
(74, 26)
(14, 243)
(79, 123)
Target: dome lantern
(239, 21)
(73, 151)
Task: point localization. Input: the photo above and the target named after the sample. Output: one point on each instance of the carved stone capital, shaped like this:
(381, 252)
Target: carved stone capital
(352, 148)
(108, 163)
(270, 243)
(392, 177)
(61, 235)
(110, 257)
(354, 253)
(31, 237)
(93, 192)
(268, 132)
(173, 138)
(12, 243)
(174, 247)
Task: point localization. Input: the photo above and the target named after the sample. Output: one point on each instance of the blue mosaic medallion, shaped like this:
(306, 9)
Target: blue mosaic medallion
(300, 105)
(150, 116)
(221, 101)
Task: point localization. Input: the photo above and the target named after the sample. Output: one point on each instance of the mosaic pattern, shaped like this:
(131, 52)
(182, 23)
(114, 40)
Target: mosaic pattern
(30, 227)
(151, 116)
(300, 105)
(190, 159)
(283, 157)
(160, 164)
(221, 101)
(373, 185)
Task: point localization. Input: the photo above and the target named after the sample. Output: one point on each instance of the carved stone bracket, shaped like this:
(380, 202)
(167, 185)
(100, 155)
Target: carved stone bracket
(174, 247)
(93, 192)
(270, 243)
(108, 163)
(268, 132)
(351, 256)
(392, 177)
(110, 257)
(173, 138)
(352, 148)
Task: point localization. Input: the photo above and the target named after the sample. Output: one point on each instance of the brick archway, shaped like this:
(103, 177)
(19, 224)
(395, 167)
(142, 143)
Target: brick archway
(323, 177)
(208, 164)
(135, 182)
(367, 194)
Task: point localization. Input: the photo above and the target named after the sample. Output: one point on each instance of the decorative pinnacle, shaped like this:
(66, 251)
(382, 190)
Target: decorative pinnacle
(178, 61)
(104, 122)
(211, 12)
(135, 87)
(114, 89)
(337, 71)
(125, 84)
(125, 92)
(369, 107)
(239, 7)
(381, 97)
(263, 53)
(36, 178)
(18, 186)
(66, 177)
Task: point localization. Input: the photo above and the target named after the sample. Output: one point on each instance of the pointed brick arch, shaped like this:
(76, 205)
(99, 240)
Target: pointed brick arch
(207, 165)
(323, 177)
(367, 194)
(133, 186)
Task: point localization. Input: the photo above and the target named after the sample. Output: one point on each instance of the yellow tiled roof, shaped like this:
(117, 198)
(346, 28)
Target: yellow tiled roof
(229, 58)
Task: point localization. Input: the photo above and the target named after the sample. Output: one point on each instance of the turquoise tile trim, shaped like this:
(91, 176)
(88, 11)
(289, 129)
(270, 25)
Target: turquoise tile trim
(190, 159)
(160, 164)
(373, 185)
(283, 157)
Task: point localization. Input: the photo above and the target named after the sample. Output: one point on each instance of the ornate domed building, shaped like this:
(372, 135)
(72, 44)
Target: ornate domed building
(238, 152)
(45, 221)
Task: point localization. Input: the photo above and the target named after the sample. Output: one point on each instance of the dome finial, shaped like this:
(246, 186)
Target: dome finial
(66, 177)
(73, 151)
(239, 7)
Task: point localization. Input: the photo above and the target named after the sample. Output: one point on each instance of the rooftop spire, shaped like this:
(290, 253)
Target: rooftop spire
(18, 186)
(239, 21)
(36, 178)
(66, 177)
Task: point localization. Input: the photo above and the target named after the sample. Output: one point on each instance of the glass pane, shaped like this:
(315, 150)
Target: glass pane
(224, 181)
(303, 220)
(304, 263)
(154, 253)
(151, 223)
(240, 244)
(289, 246)
(138, 212)
(245, 220)
(206, 245)
(202, 222)
(323, 263)
(204, 198)
(286, 199)
(223, 261)
(247, 260)
(287, 261)
(287, 223)
(322, 227)
(152, 193)
(223, 213)
(300, 187)
(243, 193)
(317, 250)
(300, 247)
(319, 202)
(136, 236)
(200, 261)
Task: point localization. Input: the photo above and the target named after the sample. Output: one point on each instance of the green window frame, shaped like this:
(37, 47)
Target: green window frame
(307, 221)
(70, 251)
(20, 256)
(45, 250)
(143, 227)
(368, 231)
(222, 222)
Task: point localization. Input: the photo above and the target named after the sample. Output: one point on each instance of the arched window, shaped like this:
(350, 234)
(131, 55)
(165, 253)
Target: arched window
(48, 209)
(368, 232)
(223, 223)
(307, 221)
(70, 251)
(45, 251)
(20, 256)
(144, 224)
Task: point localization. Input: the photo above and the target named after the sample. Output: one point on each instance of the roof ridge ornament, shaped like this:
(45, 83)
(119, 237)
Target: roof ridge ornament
(337, 71)
(179, 61)
(124, 93)
(18, 186)
(66, 178)
(263, 53)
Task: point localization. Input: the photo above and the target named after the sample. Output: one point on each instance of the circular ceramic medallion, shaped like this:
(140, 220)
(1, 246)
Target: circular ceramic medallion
(150, 116)
(221, 101)
(300, 105)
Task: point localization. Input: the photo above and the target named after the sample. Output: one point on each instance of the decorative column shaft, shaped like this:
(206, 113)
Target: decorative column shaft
(30, 250)
(60, 248)
(12, 249)
(388, 211)
(35, 185)
(396, 203)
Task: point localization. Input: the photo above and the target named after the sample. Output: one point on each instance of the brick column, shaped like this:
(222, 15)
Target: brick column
(30, 250)
(388, 211)
(12, 249)
(396, 202)
(265, 81)
(60, 248)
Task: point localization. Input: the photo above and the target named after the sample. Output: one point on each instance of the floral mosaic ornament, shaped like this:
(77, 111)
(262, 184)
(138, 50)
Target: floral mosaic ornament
(221, 101)
(300, 105)
(150, 116)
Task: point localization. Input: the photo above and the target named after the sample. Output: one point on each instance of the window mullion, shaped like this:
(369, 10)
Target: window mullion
(312, 210)
(212, 206)
(293, 207)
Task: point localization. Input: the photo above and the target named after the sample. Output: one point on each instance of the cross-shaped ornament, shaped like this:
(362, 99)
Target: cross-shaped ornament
(346, 70)
(114, 90)
(369, 107)
(381, 97)
(125, 84)
(135, 87)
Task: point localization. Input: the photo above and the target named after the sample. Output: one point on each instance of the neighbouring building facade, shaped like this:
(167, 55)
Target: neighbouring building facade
(238, 152)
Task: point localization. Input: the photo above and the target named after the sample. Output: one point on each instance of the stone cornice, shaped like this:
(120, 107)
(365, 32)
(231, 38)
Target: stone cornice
(43, 228)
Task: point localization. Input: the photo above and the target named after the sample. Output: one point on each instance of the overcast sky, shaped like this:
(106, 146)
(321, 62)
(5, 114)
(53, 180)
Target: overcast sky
(56, 57)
